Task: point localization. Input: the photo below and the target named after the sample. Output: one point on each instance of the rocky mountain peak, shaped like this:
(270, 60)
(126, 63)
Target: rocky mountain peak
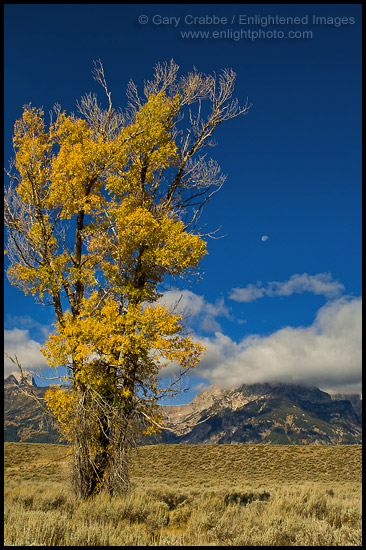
(263, 413)
(16, 378)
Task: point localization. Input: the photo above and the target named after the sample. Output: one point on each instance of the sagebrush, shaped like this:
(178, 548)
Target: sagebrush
(239, 506)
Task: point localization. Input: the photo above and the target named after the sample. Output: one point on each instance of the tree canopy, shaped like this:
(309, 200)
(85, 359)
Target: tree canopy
(101, 208)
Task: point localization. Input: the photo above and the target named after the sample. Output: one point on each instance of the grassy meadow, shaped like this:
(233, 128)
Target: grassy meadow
(190, 495)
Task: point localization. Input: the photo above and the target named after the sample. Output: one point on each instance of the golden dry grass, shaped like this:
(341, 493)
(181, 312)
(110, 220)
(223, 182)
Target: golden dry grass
(191, 495)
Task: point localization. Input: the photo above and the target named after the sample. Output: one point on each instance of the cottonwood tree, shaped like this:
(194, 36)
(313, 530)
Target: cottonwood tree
(101, 207)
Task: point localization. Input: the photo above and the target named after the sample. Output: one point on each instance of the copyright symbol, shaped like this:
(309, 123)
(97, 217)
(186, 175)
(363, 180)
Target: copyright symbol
(143, 19)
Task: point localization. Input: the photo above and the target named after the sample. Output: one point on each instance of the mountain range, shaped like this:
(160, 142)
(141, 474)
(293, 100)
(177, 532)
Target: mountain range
(257, 414)
(266, 413)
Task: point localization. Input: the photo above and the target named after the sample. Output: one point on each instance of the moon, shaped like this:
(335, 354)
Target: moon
(265, 238)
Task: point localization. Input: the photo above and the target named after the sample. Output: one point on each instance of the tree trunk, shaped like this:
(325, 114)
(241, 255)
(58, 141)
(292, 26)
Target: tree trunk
(104, 434)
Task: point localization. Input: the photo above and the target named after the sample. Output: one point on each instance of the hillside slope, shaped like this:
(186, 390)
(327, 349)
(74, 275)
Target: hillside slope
(259, 413)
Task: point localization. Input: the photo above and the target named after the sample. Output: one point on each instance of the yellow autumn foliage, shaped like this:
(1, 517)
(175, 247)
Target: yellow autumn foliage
(115, 330)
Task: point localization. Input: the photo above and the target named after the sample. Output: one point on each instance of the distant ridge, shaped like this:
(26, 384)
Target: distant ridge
(266, 413)
(257, 413)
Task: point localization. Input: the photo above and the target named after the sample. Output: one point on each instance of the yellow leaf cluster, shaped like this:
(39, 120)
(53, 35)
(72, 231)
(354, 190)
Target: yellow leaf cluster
(106, 337)
(77, 167)
(153, 148)
(33, 145)
(62, 405)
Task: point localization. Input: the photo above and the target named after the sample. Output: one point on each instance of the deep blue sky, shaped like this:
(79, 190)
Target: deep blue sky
(293, 162)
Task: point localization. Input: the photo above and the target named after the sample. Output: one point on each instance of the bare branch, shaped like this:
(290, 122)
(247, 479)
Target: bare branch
(164, 77)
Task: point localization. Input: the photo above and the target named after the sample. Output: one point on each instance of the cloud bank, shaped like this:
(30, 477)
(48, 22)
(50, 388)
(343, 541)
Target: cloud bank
(326, 354)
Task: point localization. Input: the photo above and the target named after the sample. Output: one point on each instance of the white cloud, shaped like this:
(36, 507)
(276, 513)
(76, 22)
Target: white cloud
(197, 309)
(321, 283)
(326, 354)
(18, 342)
(248, 294)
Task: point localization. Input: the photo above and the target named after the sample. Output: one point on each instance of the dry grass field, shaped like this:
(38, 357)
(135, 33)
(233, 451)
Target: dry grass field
(190, 495)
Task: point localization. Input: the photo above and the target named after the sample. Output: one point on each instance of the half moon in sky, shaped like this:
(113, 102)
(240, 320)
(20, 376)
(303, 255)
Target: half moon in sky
(265, 238)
